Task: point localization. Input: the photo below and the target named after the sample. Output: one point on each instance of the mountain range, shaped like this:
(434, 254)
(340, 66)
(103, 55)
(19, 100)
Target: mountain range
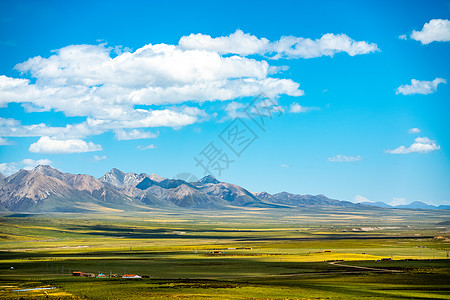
(45, 189)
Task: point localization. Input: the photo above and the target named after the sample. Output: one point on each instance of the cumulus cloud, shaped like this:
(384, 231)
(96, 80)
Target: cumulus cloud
(27, 164)
(96, 82)
(344, 158)
(134, 134)
(420, 145)
(414, 130)
(297, 108)
(437, 30)
(402, 37)
(397, 201)
(289, 47)
(54, 146)
(420, 87)
(109, 85)
(359, 198)
(146, 147)
(238, 43)
(328, 45)
(85, 80)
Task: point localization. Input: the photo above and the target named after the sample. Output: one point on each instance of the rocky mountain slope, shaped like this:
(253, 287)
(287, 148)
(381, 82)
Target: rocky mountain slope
(46, 189)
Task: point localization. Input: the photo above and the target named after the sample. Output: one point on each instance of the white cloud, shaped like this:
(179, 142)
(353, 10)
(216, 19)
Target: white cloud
(403, 37)
(52, 145)
(238, 43)
(284, 166)
(27, 164)
(236, 110)
(344, 158)
(97, 158)
(134, 134)
(437, 30)
(91, 81)
(359, 198)
(4, 142)
(260, 107)
(398, 201)
(420, 145)
(84, 80)
(420, 87)
(8, 168)
(297, 108)
(265, 107)
(289, 47)
(107, 84)
(328, 45)
(132, 119)
(414, 130)
(147, 147)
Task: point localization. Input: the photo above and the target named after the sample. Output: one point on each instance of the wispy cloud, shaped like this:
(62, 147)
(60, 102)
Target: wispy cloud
(147, 147)
(414, 130)
(297, 108)
(344, 158)
(134, 134)
(4, 142)
(97, 158)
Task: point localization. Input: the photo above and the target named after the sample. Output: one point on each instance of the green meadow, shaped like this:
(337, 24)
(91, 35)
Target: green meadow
(228, 254)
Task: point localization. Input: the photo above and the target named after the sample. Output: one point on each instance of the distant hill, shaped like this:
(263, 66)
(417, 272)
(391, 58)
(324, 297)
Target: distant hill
(46, 189)
(377, 204)
(307, 200)
(412, 205)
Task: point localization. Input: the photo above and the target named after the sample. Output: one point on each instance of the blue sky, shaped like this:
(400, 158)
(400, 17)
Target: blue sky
(358, 92)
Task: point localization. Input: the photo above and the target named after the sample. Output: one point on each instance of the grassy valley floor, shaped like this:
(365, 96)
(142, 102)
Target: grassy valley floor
(248, 254)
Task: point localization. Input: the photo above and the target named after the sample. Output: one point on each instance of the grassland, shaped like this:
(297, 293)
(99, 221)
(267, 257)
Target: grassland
(245, 254)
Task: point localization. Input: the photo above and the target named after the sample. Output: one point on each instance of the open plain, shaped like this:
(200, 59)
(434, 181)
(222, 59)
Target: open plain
(227, 254)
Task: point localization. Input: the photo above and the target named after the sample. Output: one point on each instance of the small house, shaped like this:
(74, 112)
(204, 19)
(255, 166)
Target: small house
(131, 276)
(82, 274)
